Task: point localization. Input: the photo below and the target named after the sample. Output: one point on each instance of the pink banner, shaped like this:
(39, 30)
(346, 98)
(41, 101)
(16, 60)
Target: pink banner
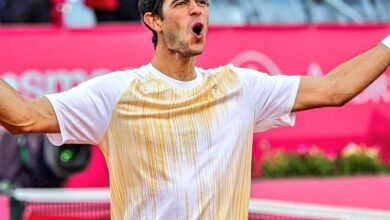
(4, 208)
(44, 60)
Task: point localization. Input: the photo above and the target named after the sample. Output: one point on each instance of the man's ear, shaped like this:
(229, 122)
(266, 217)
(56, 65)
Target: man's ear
(153, 21)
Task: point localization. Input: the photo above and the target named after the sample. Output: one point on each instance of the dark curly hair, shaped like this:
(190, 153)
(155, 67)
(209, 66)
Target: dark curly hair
(155, 7)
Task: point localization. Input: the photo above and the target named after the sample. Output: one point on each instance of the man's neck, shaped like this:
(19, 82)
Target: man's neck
(174, 65)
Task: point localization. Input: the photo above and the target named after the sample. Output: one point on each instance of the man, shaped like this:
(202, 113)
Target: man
(177, 139)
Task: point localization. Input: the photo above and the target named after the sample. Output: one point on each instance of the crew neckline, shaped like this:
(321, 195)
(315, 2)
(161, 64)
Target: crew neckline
(174, 82)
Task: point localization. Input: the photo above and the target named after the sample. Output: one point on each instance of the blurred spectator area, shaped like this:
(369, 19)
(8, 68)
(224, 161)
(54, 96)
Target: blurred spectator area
(24, 11)
(86, 13)
(81, 13)
(114, 10)
(299, 11)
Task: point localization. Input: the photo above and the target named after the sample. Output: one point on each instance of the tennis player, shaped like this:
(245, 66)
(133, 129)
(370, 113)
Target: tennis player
(177, 138)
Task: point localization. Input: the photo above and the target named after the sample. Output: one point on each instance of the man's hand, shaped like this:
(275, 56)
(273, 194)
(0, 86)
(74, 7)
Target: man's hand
(18, 115)
(344, 82)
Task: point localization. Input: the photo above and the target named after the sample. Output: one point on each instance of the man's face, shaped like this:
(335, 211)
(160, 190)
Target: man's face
(185, 26)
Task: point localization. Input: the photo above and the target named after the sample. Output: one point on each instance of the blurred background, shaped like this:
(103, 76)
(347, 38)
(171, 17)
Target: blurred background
(334, 159)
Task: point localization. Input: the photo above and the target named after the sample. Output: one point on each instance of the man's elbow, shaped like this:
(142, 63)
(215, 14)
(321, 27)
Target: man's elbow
(15, 131)
(339, 101)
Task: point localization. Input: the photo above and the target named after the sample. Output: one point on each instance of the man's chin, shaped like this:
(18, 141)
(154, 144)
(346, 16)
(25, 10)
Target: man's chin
(193, 52)
(197, 53)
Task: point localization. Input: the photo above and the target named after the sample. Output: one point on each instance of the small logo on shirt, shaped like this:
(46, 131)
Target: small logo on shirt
(215, 90)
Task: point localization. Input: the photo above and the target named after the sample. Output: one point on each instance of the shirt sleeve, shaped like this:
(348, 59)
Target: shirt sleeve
(84, 112)
(273, 98)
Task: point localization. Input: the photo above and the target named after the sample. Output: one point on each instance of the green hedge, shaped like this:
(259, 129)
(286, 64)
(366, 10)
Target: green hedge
(353, 160)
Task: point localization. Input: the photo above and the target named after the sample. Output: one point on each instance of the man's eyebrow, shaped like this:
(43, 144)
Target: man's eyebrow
(174, 1)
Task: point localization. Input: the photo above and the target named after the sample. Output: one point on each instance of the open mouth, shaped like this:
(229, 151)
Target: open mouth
(197, 29)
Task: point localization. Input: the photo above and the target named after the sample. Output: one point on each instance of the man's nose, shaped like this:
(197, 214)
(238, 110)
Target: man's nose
(195, 9)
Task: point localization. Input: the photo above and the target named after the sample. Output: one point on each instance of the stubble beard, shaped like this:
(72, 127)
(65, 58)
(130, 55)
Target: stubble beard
(180, 46)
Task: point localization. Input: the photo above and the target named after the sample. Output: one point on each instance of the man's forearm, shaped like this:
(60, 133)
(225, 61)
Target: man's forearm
(13, 109)
(353, 76)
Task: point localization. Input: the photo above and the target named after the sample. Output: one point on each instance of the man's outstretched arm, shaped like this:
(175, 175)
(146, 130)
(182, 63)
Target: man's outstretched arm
(344, 82)
(19, 115)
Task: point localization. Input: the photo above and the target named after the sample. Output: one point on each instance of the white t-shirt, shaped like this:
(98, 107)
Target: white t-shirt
(176, 150)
